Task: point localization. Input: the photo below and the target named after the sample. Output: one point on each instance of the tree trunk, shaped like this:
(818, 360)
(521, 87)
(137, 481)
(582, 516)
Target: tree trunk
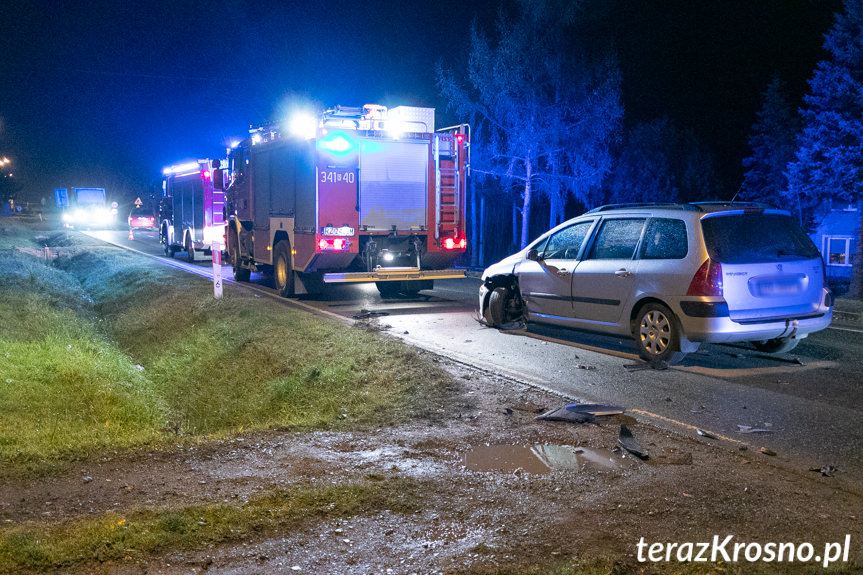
(474, 236)
(856, 289)
(482, 230)
(556, 206)
(515, 240)
(525, 210)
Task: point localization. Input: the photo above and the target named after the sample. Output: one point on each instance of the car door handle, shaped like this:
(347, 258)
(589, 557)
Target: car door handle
(562, 272)
(622, 273)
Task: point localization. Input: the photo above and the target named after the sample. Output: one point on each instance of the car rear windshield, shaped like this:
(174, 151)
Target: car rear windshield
(758, 237)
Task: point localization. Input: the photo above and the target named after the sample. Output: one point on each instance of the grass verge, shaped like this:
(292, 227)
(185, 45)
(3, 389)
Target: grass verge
(103, 349)
(138, 533)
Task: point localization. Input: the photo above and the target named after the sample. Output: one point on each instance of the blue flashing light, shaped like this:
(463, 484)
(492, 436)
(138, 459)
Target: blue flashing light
(337, 143)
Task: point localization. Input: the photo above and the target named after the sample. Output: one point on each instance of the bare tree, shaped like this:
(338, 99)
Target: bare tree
(543, 120)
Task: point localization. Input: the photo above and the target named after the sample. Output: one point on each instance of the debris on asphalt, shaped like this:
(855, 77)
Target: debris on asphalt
(705, 434)
(595, 409)
(699, 409)
(564, 414)
(826, 471)
(580, 412)
(642, 365)
(629, 443)
(769, 452)
(367, 314)
(637, 366)
(658, 364)
(750, 429)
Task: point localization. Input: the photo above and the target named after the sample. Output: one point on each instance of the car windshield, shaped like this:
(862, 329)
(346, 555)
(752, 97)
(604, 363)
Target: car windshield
(756, 237)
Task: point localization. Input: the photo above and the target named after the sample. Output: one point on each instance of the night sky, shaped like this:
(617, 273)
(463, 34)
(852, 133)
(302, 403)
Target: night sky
(107, 93)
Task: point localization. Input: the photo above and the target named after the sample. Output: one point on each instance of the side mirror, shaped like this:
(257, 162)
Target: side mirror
(533, 255)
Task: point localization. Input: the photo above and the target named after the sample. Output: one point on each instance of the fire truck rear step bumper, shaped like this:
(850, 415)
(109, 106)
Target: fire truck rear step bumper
(394, 274)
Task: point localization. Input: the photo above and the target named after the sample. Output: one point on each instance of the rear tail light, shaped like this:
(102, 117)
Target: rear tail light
(454, 243)
(707, 280)
(333, 244)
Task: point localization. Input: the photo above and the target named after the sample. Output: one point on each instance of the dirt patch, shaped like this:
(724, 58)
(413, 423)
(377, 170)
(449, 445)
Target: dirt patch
(504, 519)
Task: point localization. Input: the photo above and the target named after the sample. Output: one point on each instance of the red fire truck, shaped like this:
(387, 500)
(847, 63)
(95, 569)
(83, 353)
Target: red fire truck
(192, 210)
(376, 195)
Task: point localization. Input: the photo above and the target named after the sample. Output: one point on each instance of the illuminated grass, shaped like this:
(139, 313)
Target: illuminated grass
(138, 533)
(107, 350)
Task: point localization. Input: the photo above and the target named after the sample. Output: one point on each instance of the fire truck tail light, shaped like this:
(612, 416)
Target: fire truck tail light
(206, 174)
(454, 243)
(459, 138)
(333, 244)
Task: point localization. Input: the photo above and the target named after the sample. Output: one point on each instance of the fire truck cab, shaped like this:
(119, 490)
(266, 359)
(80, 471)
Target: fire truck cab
(376, 195)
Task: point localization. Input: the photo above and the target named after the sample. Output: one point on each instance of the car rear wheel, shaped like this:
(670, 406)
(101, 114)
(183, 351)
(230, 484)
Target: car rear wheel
(657, 334)
(777, 345)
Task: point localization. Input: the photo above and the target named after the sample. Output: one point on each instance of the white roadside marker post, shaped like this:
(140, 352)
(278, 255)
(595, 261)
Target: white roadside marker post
(216, 249)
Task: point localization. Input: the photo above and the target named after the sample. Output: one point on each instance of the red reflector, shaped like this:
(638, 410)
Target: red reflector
(707, 280)
(454, 243)
(335, 244)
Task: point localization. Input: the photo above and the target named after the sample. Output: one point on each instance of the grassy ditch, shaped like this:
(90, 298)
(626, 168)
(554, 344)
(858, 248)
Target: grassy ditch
(103, 350)
(139, 533)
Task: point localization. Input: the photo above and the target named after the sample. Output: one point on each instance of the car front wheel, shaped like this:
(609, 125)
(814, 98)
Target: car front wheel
(501, 307)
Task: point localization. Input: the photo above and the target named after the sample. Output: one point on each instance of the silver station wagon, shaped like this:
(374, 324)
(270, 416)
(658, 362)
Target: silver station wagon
(670, 275)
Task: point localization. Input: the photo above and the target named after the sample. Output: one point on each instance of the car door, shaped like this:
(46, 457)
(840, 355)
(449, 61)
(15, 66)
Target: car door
(604, 280)
(546, 283)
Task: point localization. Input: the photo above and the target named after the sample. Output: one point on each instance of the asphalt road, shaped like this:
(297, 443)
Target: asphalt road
(808, 402)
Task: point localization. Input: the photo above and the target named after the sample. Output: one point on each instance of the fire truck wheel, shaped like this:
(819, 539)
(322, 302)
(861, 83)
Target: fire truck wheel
(169, 251)
(241, 274)
(283, 274)
(190, 251)
(388, 290)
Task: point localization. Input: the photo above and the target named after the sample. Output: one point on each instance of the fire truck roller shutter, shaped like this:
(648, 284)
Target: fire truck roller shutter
(393, 184)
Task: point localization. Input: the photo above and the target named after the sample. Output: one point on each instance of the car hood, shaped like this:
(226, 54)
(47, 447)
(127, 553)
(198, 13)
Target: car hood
(504, 266)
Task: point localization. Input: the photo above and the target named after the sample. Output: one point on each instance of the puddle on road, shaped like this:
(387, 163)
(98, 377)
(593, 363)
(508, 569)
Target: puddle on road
(538, 458)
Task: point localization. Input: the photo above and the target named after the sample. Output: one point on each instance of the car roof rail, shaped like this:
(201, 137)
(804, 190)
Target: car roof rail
(733, 204)
(668, 205)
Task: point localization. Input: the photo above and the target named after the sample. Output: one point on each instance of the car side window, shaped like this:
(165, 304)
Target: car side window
(565, 244)
(616, 239)
(665, 239)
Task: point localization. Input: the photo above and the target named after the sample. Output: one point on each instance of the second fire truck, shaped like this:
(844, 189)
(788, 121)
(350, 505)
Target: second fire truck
(375, 195)
(192, 210)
